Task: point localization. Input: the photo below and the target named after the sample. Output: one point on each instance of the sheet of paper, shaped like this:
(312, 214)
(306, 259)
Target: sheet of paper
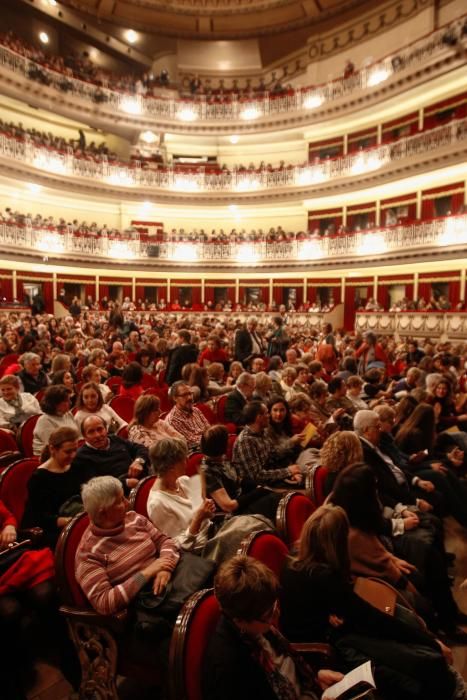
(361, 674)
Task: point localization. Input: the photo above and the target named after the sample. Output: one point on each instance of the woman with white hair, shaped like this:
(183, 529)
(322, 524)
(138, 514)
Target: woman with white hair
(121, 551)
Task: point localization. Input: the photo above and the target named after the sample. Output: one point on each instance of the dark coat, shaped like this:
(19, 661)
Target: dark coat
(179, 357)
(390, 491)
(244, 344)
(234, 407)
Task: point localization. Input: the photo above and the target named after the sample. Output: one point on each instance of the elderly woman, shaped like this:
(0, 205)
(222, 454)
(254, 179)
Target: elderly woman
(174, 503)
(146, 428)
(56, 414)
(247, 657)
(120, 552)
(32, 376)
(15, 405)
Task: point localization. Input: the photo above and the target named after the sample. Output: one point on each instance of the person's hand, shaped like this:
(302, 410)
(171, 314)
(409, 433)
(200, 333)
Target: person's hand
(456, 456)
(404, 566)
(335, 621)
(204, 512)
(326, 678)
(135, 469)
(462, 418)
(338, 413)
(294, 469)
(154, 568)
(424, 506)
(131, 483)
(437, 409)
(161, 580)
(439, 467)
(296, 439)
(411, 521)
(446, 651)
(425, 485)
(7, 536)
(417, 457)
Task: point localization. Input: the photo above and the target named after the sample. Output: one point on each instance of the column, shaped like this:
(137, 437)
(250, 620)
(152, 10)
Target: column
(378, 213)
(237, 291)
(54, 285)
(15, 288)
(270, 291)
(420, 119)
(305, 289)
(343, 290)
(415, 286)
(97, 288)
(203, 283)
(133, 288)
(344, 215)
(379, 134)
(375, 287)
(168, 292)
(462, 294)
(346, 144)
(418, 213)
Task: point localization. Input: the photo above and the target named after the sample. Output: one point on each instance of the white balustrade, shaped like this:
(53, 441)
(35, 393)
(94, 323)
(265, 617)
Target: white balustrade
(414, 324)
(169, 106)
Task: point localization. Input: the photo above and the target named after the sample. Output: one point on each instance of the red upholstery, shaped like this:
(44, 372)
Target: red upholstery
(163, 394)
(123, 432)
(139, 495)
(267, 548)
(6, 361)
(70, 591)
(319, 480)
(221, 408)
(294, 510)
(25, 435)
(230, 445)
(7, 442)
(14, 485)
(207, 412)
(148, 380)
(114, 383)
(194, 462)
(40, 394)
(124, 406)
(194, 628)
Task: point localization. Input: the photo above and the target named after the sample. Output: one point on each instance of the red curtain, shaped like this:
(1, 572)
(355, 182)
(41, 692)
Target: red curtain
(19, 290)
(90, 290)
(428, 208)
(349, 308)
(208, 294)
(454, 290)
(231, 294)
(409, 291)
(311, 294)
(48, 296)
(383, 296)
(6, 286)
(103, 290)
(424, 290)
(278, 295)
(174, 294)
(457, 202)
(127, 291)
(195, 295)
(336, 294)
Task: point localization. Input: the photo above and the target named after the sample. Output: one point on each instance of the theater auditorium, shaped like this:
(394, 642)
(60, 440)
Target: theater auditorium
(233, 349)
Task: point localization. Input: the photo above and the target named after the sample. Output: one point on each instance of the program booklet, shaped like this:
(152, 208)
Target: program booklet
(310, 431)
(356, 684)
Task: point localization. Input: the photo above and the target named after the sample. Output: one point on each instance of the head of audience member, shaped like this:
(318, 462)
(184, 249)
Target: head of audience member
(147, 411)
(61, 447)
(182, 396)
(64, 377)
(98, 357)
(235, 370)
(104, 502)
(337, 388)
(300, 406)
(387, 418)
(9, 387)
(91, 373)
(291, 356)
(316, 369)
(246, 385)
(169, 458)
(247, 592)
(275, 363)
(199, 380)
(280, 418)
(339, 450)
(413, 377)
(90, 398)
(355, 490)
(263, 385)
(31, 362)
(257, 365)
(422, 419)
(349, 364)
(442, 390)
(132, 375)
(5, 348)
(370, 338)
(289, 375)
(256, 416)
(303, 374)
(56, 400)
(354, 386)
(184, 337)
(324, 540)
(367, 425)
(319, 393)
(214, 442)
(117, 348)
(216, 372)
(252, 324)
(94, 431)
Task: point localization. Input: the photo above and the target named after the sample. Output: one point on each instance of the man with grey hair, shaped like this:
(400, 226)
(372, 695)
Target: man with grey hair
(32, 376)
(121, 551)
(238, 398)
(248, 342)
(188, 420)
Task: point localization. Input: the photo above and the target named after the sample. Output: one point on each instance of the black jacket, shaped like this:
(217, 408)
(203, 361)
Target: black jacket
(114, 461)
(244, 344)
(390, 491)
(179, 357)
(234, 407)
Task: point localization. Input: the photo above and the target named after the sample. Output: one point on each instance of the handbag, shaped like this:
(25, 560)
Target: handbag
(377, 593)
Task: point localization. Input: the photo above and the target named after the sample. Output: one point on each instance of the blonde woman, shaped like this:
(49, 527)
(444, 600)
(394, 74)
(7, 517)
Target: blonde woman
(338, 452)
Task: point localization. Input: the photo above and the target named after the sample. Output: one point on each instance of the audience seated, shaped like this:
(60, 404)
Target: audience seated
(238, 398)
(147, 427)
(15, 405)
(55, 414)
(184, 417)
(90, 402)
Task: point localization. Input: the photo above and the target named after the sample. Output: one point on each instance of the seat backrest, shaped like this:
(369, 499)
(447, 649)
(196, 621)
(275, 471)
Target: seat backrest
(123, 432)
(293, 511)
(163, 394)
(148, 380)
(194, 627)
(318, 482)
(7, 442)
(124, 406)
(6, 361)
(194, 463)
(113, 383)
(65, 555)
(230, 445)
(267, 548)
(138, 498)
(14, 485)
(220, 406)
(25, 435)
(207, 412)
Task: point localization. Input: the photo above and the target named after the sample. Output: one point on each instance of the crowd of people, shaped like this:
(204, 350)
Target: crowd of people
(263, 404)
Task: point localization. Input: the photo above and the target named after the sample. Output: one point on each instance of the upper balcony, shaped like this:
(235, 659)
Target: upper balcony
(407, 67)
(424, 240)
(430, 149)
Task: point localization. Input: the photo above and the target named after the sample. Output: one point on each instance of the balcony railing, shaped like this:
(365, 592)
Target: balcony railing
(438, 233)
(236, 180)
(232, 107)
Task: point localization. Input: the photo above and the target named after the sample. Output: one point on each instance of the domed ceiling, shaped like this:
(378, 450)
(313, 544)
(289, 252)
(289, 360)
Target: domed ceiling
(217, 18)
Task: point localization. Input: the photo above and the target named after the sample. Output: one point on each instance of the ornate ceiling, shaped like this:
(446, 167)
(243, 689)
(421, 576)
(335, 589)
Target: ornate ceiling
(217, 18)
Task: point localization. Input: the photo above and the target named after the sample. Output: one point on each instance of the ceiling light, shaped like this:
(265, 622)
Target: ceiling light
(233, 207)
(34, 187)
(313, 101)
(52, 2)
(148, 136)
(44, 37)
(130, 105)
(379, 75)
(186, 114)
(234, 138)
(131, 36)
(250, 113)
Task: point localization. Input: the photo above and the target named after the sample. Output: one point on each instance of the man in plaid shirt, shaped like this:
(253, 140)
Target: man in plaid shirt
(186, 418)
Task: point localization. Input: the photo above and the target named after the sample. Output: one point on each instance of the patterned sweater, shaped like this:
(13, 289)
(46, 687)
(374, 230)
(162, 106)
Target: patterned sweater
(108, 562)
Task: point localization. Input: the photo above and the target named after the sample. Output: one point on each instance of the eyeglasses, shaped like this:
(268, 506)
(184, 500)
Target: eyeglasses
(183, 396)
